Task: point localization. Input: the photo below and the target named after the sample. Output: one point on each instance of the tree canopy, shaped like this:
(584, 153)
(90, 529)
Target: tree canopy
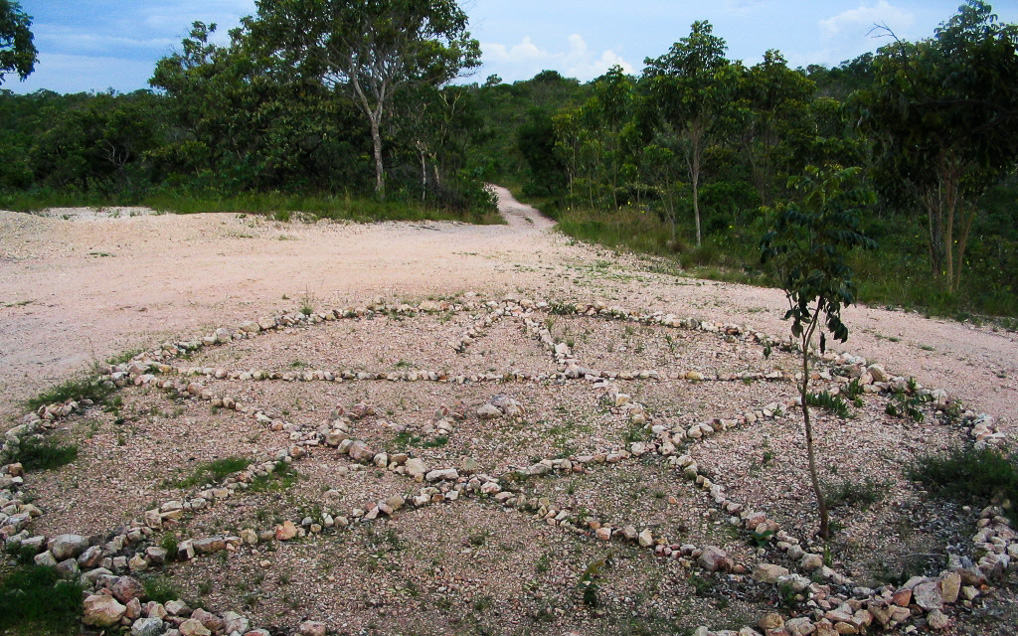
(17, 46)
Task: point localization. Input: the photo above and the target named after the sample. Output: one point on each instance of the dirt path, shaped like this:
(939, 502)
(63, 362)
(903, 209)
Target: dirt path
(79, 289)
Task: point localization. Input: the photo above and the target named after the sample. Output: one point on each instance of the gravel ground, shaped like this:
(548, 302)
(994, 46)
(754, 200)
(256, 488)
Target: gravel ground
(110, 283)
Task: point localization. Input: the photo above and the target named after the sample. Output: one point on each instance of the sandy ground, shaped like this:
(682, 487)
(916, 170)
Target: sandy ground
(77, 287)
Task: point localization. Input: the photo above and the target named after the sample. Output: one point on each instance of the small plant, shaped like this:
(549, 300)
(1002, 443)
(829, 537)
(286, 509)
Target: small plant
(856, 494)
(477, 539)
(588, 582)
(830, 403)
(280, 478)
(908, 402)
(307, 303)
(160, 589)
(77, 389)
(211, 472)
(45, 454)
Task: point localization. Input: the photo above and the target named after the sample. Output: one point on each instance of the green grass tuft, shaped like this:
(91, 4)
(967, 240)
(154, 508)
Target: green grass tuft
(77, 389)
(212, 472)
(45, 454)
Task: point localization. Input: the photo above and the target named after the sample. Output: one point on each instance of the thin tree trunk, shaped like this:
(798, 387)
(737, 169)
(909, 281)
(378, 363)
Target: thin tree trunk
(376, 140)
(810, 454)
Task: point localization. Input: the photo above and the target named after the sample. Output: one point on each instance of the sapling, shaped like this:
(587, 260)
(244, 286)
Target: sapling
(808, 244)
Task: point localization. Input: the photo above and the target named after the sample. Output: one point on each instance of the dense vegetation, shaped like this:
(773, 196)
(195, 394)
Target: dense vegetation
(691, 159)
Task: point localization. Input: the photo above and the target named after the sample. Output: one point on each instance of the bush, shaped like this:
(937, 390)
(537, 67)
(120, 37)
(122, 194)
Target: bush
(969, 476)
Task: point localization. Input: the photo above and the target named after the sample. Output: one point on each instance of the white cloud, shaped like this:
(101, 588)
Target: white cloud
(863, 17)
(525, 59)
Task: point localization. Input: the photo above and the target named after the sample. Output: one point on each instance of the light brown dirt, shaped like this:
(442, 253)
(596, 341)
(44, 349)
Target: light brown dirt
(82, 288)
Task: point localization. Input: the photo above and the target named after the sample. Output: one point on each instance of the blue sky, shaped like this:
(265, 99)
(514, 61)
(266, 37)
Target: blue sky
(100, 44)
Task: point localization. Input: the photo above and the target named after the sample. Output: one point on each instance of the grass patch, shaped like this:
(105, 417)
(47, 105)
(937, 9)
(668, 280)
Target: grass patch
(77, 389)
(280, 478)
(855, 494)
(33, 600)
(968, 476)
(45, 454)
(212, 472)
(160, 589)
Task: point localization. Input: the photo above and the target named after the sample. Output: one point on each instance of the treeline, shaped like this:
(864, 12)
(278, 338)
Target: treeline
(690, 157)
(327, 99)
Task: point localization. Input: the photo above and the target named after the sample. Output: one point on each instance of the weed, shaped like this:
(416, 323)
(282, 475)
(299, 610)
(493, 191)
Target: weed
(830, 403)
(77, 389)
(45, 454)
(543, 564)
(169, 543)
(211, 472)
(160, 589)
(907, 402)
(33, 600)
(282, 477)
(853, 493)
(477, 539)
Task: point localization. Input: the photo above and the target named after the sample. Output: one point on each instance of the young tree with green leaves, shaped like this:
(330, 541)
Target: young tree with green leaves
(370, 48)
(944, 113)
(17, 46)
(692, 85)
(809, 246)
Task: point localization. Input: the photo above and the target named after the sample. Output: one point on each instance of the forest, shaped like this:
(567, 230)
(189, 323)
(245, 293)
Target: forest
(374, 114)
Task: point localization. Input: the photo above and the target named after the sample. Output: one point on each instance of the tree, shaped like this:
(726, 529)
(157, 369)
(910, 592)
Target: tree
(944, 112)
(17, 49)
(691, 85)
(809, 245)
(371, 48)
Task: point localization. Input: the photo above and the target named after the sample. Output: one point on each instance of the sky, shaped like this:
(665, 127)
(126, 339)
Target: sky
(97, 45)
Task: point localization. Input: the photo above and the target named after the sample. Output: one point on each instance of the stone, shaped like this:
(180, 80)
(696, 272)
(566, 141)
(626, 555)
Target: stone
(488, 412)
(360, 452)
(646, 538)
(950, 587)
(286, 531)
(604, 533)
(68, 569)
(417, 468)
(67, 546)
(771, 621)
(101, 610)
(312, 628)
(45, 559)
(800, 627)
(151, 626)
(127, 587)
(810, 562)
(927, 596)
(442, 474)
(234, 622)
(208, 619)
(937, 620)
(769, 573)
(714, 559)
(177, 608)
(193, 627)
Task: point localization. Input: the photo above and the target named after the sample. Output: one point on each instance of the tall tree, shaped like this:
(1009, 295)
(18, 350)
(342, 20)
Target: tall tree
(692, 84)
(371, 48)
(17, 48)
(944, 112)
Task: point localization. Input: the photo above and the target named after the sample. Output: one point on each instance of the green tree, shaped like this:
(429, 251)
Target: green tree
(809, 246)
(944, 113)
(17, 48)
(692, 85)
(371, 48)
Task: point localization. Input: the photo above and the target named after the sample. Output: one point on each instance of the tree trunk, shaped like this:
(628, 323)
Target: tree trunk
(376, 141)
(807, 338)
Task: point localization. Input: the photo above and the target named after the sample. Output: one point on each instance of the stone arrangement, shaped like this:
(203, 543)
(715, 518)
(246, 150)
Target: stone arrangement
(832, 603)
